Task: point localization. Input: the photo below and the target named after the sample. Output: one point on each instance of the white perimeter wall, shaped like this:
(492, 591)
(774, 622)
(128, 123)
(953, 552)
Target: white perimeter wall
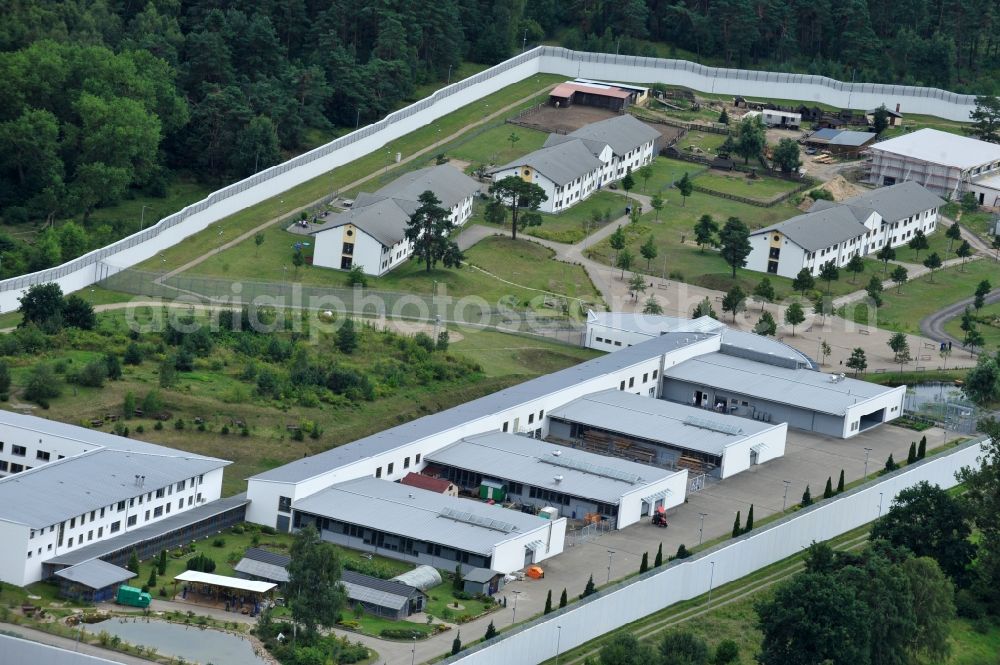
(682, 580)
(97, 265)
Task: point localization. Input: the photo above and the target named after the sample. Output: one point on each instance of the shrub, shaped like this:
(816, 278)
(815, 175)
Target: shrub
(401, 634)
(201, 562)
(178, 424)
(225, 430)
(158, 426)
(269, 530)
(219, 542)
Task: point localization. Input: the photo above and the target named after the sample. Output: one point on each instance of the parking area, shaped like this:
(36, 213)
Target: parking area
(809, 459)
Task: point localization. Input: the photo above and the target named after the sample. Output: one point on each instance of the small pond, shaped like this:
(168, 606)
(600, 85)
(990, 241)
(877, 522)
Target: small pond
(192, 643)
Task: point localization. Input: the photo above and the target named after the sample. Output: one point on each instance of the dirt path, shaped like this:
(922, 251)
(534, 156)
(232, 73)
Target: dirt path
(357, 183)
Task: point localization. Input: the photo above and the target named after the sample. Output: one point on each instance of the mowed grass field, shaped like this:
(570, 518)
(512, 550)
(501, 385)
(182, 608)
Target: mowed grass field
(736, 183)
(902, 311)
(576, 223)
(990, 333)
(335, 180)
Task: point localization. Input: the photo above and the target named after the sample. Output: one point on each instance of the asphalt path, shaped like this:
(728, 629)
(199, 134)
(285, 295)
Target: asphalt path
(932, 326)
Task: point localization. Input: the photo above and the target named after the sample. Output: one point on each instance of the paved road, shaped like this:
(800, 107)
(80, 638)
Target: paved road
(933, 326)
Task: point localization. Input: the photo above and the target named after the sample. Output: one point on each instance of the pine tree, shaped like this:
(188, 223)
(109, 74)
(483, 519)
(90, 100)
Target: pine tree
(563, 599)
(922, 448)
(456, 582)
(548, 608)
(133, 562)
(736, 525)
(911, 456)
(658, 560)
(347, 337)
(456, 644)
(828, 491)
(806, 498)
(890, 464)
(682, 552)
(590, 589)
(152, 578)
(644, 564)
(749, 526)
(840, 482)
(161, 567)
(491, 630)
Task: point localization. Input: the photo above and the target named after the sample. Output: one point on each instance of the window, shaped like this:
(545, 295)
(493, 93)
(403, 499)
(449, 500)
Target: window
(531, 418)
(168, 506)
(102, 512)
(157, 511)
(198, 497)
(146, 516)
(160, 493)
(621, 386)
(100, 531)
(541, 414)
(190, 500)
(505, 427)
(416, 460)
(131, 520)
(116, 527)
(72, 523)
(388, 469)
(93, 514)
(285, 504)
(90, 535)
(348, 248)
(645, 377)
(180, 486)
(16, 468)
(378, 472)
(19, 451)
(655, 372)
(3, 465)
(406, 462)
(121, 506)
(631, 381)
(42, 455)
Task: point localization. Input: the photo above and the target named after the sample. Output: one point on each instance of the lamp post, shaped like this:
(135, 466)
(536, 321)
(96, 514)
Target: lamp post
(558, 640)
(711, 579)
(449, 75)
(513, 618)
(142, 217)
(357, 118)
(880, 504)
(784, 499)
(611, 556)
(413, 652)
(701, 528)
(867, 453)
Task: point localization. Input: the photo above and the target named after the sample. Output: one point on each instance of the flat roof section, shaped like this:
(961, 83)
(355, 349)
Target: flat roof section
(464, 524)
(937, 147)
(95, 574)
(660, 421)
(802, 388)
(59, 490)
(469, 412)
(537, 463)
(237, 583)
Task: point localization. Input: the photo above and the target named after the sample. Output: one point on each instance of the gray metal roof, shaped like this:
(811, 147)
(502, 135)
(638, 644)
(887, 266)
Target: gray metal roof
(802, 388)
(59, 490)
(767, 349)
(415, 513)
(383, 219)
(384, 593)
(95, 574)
(824, 134)
(820, 229)
(653, 324)
(595, 147)
(480, 575)
(263, 564)
(898, 201)
(657, 420)
(18, 651)
(537, 463)
(449, 185)
(469, 412)
(623, 133)
(149, 531)
(561, 163)
(852, 138)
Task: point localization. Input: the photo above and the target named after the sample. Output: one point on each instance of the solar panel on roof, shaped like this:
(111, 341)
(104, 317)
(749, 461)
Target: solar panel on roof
(477, 520)
(705, 423)
(592, 469)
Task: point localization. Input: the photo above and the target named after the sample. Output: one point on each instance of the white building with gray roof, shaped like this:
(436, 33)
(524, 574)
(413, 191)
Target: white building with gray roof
(574, 481)
(571, 167)
(424, 527)
(372, 233)
(70, 487)
(837, 232)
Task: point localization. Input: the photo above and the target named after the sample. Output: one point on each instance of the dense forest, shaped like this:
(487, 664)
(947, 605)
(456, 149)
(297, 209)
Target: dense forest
(106, 99)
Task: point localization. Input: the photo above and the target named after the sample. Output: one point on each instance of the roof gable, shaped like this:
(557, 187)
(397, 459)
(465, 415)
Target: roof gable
(623, 133)
(562, 163)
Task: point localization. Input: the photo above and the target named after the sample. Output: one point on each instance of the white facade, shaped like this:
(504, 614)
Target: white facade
(632, 508)
(528, 417)
(758, 449)
(33, 443)
(508, 556)
(772, 118)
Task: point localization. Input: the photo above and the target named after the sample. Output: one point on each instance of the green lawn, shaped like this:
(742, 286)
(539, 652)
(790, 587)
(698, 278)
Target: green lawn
(938, 243)
(707, 268)
(506, 355)
(736, 183)
(180, 193)
(921, 297)
(529, 265)
(989, 325)
(312, 190)
(981, 223)
(493, 145)
(577, 222)
(666, 172)
(708, 142)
